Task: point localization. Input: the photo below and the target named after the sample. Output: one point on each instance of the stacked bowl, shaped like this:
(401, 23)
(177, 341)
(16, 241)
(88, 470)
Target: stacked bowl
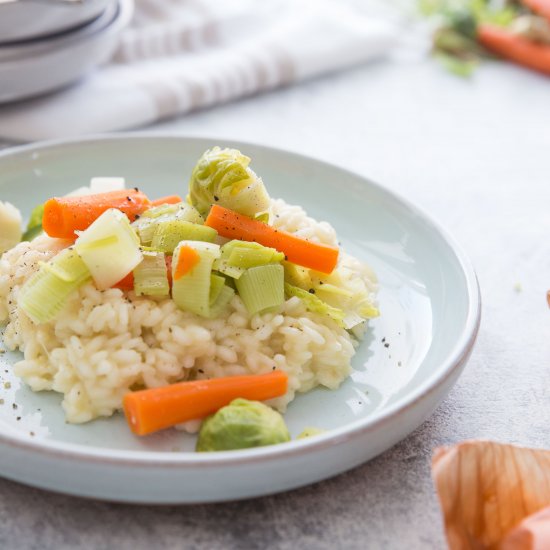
(47, 44)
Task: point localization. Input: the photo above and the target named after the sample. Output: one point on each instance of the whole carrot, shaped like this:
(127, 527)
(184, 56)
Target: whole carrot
(542, 7)
(515, 48)
(148, 411)
(65, 215)
(233, 225)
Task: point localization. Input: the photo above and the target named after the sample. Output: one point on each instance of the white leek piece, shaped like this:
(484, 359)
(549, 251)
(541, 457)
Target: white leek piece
(110, 248)
(43, 296)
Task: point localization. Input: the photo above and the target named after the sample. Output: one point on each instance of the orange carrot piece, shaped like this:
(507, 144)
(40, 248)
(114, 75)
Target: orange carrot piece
(127, 283)
(65, 215)
(170, 199)
(515, 48)
(188, 258)
(542, 7)
(233, 225)
(148, 411)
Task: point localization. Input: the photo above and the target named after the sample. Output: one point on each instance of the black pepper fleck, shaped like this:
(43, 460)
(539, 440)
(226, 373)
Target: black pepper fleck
(387, 345)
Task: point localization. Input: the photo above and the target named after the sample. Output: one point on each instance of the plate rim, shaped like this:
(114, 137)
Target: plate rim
(453, 361)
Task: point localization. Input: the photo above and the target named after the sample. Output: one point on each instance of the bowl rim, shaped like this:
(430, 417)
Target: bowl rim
(451, 365)
(113, 19)
(76, 15)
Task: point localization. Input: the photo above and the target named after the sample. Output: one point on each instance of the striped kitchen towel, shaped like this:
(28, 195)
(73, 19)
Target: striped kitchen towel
(182, 55)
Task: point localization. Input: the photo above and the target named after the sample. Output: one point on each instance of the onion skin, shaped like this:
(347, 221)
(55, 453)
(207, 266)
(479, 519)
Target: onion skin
(487, 489)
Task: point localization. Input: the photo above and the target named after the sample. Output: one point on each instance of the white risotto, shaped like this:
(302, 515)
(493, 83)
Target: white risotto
(105, 343)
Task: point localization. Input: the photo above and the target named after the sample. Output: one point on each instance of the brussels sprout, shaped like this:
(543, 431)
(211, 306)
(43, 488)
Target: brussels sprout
(240, 425)
(222, 176)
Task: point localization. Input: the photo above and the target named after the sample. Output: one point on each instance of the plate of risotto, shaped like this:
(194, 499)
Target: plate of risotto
(184, 320)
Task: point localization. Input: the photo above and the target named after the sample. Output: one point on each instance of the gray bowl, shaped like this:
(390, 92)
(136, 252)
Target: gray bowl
(36, 67)
(31, 19)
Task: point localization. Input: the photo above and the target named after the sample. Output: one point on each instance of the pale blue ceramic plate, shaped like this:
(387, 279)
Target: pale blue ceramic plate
(430, 315)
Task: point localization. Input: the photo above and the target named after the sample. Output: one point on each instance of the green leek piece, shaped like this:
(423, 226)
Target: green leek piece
(151, 276)
(217, 282)
(169, 233)
(331, 289)
(297, 275)
(145, 225)
(34, 227)
(244, 254)
(310, 431)
(261, 288)
(110, 248)
(191, 292)
(367, 310)
(315, 304)
(231, 271)
(43, 296)
(222, 176)
(224, 297)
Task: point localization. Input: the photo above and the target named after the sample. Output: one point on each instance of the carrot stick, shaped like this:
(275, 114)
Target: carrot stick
(148, 411)
(516, 48)
(170, 199)
(542, 7)
(233, 225)
(65, 215)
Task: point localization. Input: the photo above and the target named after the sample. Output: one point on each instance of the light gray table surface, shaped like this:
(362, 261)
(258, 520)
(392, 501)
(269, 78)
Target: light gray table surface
(475, 155)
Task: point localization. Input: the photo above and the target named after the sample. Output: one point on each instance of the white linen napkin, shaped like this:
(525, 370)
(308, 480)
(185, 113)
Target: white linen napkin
(182, 55)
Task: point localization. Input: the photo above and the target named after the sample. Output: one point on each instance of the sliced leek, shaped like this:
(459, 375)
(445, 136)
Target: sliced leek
(315, 304)
(261, 288)
(151, 276)
(231, 271)
(145, 225)
(191, 291)
(245, 254)
(43, 296)
(110, 248)
(224, 297)
(216, 284)
(168, 234)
